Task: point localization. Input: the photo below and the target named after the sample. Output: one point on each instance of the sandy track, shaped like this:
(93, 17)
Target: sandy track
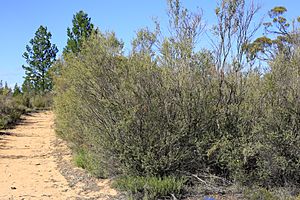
(34, 164)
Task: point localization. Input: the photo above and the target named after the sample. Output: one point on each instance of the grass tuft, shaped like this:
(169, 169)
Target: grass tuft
(150, 187)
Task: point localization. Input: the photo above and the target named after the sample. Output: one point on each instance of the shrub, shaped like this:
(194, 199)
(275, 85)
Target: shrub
(10, 111)
(143, 120)
(41, 101)
(137, 117)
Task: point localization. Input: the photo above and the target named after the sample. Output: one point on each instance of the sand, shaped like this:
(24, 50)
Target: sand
(35, 164)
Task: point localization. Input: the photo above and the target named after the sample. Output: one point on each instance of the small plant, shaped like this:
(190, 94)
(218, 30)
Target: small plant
(150, 187)
(86, 160)
(260, 194)
(80, 159)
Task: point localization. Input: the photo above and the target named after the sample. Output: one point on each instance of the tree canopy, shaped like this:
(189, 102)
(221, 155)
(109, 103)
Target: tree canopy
(82, 29)
(39, 55)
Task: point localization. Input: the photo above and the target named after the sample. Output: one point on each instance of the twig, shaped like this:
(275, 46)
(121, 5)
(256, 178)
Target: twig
(174, 197)
(199, 179)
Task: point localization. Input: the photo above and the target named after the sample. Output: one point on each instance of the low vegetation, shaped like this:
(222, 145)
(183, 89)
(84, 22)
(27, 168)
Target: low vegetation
(150, 187)
(11, 107)
(14, 103)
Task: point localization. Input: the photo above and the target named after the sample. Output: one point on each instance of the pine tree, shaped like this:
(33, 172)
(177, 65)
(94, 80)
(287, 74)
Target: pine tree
(82, 29)
(6, 90)
(39, 55)
(17, 90)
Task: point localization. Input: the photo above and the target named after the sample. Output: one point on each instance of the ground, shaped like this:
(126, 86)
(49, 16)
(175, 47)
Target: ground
(35, 164)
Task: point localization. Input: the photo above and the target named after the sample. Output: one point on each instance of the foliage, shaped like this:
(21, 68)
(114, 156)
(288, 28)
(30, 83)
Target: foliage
(282, 37)
(136, 103)
(41, 101)
(14, 103)
(10, 108)
(166, 109)
(81, 30)
(9, 113)
(85, 160)
(233, 31)
(39, 55)
(260, 193)
(257, 193)
(17, 91)
(150, 187)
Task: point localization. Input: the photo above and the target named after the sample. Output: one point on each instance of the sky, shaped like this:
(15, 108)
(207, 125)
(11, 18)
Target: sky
(20, 19)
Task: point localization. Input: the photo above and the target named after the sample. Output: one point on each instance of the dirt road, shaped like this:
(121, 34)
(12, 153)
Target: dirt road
(34, 164)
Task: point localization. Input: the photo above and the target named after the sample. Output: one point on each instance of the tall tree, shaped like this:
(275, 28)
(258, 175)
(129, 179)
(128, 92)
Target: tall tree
(82, 29)
(281, 37)
(40, 55)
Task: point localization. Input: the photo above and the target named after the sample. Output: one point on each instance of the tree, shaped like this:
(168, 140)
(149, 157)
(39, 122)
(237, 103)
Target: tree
(6, 91)
(286, 38)
(82, 29)
(17, 90)
(39, 55)
(27, 87)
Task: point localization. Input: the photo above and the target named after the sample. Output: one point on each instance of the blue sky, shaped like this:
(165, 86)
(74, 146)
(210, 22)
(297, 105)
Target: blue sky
(20, 19)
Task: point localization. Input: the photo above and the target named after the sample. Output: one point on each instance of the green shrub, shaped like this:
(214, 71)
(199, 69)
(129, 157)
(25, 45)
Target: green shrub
(10, 111)
(138, 117)
(150, 187)
(80, 159)
(85, 160)
(41, 101)
(143, 120)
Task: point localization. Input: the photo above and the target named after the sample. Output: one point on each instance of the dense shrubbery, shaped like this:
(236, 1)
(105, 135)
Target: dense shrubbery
(10, 107)
(41, 101)
(136, 118)
(177, 113)
(10, 111)
(14, 103)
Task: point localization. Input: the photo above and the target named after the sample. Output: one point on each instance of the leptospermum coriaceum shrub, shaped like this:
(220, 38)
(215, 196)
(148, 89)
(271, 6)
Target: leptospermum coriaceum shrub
(140, 118)
(137, 117)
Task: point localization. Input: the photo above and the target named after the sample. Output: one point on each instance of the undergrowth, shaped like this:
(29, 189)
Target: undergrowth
(150, 187)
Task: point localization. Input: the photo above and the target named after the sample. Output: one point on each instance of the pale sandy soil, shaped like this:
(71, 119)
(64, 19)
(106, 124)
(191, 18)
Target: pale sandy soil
(35, 164)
